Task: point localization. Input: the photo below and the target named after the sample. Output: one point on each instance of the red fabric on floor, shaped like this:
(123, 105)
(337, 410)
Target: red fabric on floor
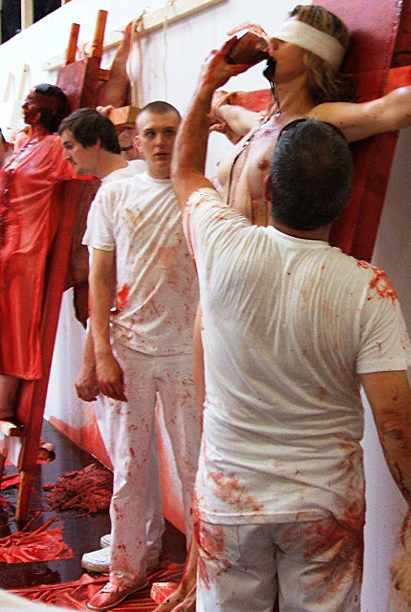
(76, 594)
(11, 480)
(88, 490)
(43, 544)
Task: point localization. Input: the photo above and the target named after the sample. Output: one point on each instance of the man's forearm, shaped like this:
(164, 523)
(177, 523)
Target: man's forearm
(389, 396)
(191, 148)
(100, 318)
(187, 171)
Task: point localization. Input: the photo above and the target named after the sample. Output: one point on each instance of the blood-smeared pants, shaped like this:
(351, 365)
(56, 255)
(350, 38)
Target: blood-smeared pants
(244, 567)
(154, 520)
(130, 434)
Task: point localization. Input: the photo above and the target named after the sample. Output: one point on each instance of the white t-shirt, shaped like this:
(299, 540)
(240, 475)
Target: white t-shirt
(134, 167)
(157, 289)
(287, 325)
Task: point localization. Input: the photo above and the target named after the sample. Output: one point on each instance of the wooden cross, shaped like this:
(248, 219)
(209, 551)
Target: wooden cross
(379, 60)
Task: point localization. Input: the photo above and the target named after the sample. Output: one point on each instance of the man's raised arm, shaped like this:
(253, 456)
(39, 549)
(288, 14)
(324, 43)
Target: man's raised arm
(187, 171)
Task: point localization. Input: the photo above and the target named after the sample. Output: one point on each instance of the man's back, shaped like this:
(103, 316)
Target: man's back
(293, 321)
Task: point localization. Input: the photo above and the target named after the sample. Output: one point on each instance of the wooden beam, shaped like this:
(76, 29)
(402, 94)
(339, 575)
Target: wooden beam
(26, 13)
(179, 9)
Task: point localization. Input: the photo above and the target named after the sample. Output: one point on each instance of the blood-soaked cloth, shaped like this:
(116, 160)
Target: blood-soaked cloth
(76, 594)
(30, 211)
(89, 490)
(43, 544)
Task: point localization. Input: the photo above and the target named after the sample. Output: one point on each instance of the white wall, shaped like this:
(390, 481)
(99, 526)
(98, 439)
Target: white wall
(385, 505)
(171, 63)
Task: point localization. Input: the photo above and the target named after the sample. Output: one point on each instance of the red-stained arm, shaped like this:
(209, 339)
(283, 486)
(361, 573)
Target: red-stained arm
(187, 171)
(389, 396)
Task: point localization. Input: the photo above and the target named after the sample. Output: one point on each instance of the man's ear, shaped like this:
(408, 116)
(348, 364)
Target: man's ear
(267, 188)
(137, 144)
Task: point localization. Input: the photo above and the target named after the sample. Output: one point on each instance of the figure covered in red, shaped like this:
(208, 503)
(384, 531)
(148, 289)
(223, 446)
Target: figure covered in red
(29, 217)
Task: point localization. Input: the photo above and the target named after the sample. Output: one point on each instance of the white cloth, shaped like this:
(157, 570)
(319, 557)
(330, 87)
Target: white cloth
(307, 37)
(157, 289)
(287, 325)
(134, 167)
(285, 559)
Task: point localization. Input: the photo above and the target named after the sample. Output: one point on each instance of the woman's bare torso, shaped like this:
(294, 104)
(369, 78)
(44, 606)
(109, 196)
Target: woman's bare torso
(243, 172)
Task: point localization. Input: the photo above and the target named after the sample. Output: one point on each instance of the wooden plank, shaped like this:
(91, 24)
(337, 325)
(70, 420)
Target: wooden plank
(72, 46)
(26, 13)
(124, 116)
(180, 9)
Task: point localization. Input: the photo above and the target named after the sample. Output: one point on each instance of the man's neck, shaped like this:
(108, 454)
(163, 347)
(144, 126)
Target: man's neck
(321, 233)
(37, 132)
(108, 163)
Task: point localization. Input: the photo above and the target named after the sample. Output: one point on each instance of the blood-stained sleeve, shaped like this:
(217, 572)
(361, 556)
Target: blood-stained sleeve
(384, 341)
(205, 218)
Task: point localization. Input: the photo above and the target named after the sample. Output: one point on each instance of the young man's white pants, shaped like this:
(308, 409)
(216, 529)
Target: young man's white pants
(154, 519)
(314, 566)
(130, 434)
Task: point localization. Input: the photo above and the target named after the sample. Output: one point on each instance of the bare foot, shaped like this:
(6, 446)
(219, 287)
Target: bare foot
(189, 603)
(179, 601)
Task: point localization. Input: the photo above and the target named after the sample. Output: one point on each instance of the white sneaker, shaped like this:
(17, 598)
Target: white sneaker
(97, 560)
(105, 540)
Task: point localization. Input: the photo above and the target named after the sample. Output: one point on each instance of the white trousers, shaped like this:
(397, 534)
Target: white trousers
(313, 566)
(154, 519)
(130, 436)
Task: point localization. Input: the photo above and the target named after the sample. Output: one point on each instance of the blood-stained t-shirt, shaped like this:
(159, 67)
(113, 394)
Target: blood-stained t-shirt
(288, 324)
(157, 288)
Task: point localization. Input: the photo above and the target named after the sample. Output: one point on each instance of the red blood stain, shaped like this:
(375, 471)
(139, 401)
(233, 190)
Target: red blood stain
(380, 282)
(322, 394)
(331, 540)
(122, 297)
(232, 492)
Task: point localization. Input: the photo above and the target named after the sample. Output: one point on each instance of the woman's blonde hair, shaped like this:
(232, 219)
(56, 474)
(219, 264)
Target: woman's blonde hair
(325, 83)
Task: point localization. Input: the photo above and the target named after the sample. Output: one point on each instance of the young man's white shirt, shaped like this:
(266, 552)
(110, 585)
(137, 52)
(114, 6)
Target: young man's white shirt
(157, 289)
